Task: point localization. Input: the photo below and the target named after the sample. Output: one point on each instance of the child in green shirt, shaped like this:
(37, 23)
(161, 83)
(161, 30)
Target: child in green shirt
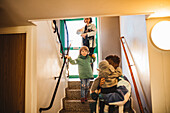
(85, 71)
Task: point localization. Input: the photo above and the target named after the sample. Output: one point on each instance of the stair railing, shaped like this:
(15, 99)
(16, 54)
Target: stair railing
(67, 63)
(133, 79)
(59, 78)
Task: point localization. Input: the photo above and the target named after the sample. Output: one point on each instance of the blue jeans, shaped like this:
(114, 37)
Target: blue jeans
(84, 87)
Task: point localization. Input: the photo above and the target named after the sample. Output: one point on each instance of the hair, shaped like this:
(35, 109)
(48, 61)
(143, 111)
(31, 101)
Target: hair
(90, 20)
(83, 48)
(114, 58)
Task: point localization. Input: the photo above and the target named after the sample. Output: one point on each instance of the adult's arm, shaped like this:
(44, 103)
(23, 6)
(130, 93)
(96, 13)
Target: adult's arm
(93, 32)
(80, 31)
(95, 84)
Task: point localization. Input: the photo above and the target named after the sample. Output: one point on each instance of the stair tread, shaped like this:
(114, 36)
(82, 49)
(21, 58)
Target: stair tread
(68, 111)
(74, 89)
(78, 100)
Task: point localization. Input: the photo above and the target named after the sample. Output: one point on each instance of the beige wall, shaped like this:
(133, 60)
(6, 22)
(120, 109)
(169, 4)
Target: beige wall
(159, 61)
(133, 28)
(48, 66)
(109, 34)
(30, 74)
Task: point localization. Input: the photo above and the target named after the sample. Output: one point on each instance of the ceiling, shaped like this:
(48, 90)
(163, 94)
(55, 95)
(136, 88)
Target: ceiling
(19, 12)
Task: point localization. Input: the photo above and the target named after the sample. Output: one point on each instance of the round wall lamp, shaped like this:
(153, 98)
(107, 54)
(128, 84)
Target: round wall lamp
(160, 35)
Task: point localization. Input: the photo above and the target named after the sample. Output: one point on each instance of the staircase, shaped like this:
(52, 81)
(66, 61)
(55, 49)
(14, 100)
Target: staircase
(72, 103)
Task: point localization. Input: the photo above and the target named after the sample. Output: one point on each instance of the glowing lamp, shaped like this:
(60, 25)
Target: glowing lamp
(160, 35)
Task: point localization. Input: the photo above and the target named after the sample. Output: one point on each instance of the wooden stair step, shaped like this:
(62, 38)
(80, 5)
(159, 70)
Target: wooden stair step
(76, 105)
(75, 94)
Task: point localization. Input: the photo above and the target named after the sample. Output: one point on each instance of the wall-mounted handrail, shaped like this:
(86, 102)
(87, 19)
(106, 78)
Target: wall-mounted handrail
(59, 78)
(56, 30)
(66, 33)
(55, 91)
(145, 102)
(133, 79)
(67, 63)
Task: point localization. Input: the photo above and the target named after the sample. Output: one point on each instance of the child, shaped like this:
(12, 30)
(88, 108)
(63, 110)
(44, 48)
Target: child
(85, 70)
(110, 74)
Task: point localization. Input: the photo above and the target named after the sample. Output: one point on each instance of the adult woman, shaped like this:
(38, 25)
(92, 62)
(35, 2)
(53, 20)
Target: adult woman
(88, 34)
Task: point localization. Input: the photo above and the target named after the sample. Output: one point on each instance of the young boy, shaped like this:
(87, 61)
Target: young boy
(110, 74)
(85, 71)
(110, 70)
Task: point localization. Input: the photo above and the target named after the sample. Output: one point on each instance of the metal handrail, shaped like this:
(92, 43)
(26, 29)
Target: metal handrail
(67, 63)
(56, 30)
(133, 79)
(59, 78)
(55, 91)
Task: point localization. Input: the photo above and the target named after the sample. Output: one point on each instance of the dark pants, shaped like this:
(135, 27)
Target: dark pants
(109, 90)
(86, 43)
(110, 110)
(102, 104)
(91, 50)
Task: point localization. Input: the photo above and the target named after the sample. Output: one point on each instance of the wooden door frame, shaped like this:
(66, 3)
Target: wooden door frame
(30, 67)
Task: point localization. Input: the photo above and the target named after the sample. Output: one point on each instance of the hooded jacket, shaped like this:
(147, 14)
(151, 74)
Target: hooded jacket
(108, 72)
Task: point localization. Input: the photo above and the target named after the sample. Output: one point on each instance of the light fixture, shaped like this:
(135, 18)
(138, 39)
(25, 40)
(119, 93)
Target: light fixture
(160, 35)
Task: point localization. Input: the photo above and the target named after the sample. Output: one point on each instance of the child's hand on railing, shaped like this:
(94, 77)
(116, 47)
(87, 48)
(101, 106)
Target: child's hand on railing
(93, 55)
(68, 57)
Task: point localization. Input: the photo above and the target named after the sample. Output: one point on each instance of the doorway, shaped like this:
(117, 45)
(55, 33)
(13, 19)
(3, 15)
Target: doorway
(76, 42)
(12, 72)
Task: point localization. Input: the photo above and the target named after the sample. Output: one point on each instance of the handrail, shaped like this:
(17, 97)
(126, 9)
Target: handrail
(133, 79)
(56, 30)
(67, 64)
(55, 91)
(56, 88)
(66, 33)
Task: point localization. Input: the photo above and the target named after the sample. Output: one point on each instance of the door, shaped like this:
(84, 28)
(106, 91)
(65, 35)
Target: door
(12, 73)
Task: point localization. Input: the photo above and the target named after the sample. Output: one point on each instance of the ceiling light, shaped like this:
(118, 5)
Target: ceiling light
(160, 35)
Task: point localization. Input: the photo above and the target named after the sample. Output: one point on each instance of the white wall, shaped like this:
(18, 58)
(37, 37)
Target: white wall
(133, 28)
(48, 66)
(159, 61)
(109, 42)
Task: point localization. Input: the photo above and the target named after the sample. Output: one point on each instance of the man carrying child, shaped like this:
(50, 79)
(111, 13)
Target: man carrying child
(111, 91)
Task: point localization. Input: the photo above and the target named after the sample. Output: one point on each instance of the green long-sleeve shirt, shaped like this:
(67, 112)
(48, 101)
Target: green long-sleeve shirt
(84, 66)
